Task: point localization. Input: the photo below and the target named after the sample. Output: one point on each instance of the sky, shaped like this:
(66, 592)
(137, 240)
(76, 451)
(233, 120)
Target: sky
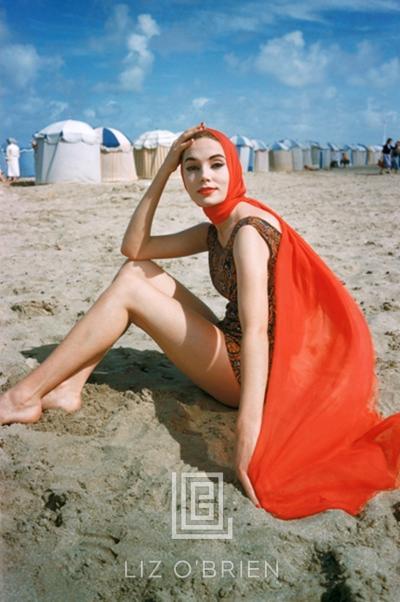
(326, 70)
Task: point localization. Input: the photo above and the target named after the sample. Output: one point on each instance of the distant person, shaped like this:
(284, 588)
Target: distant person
(12, 158)
(345, 160)
(395, 164)
(387, 155)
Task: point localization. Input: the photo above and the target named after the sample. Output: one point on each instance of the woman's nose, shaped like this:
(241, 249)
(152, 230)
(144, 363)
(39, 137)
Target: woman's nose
(205, 173)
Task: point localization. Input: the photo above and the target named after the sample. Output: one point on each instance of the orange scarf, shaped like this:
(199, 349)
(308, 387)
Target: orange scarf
(322, 444)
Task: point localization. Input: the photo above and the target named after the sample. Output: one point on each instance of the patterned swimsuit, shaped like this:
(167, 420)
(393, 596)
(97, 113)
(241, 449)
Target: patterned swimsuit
(223, 276)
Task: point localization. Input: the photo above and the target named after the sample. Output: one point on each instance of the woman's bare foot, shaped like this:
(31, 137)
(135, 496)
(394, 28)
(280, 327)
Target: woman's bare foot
(17, 407)
(64, 397)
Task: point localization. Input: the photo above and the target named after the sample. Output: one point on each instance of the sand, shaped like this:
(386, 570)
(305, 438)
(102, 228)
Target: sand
(86, 497)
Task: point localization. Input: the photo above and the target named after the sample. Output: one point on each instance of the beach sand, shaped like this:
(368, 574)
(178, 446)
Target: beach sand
(85, 493)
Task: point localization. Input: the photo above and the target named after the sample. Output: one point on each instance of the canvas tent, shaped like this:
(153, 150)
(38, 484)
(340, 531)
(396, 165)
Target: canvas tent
(261, 156)
(245, 151)
(324, 156)
(281, 158)
(361, 156)
(315, 148)
(336, 154)
(297, 153)
(150, 150)
(374, 154)
(116, 157)
(67, 151)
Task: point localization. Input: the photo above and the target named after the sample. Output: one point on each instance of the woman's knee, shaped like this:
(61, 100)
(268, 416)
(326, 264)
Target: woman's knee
(132, 269)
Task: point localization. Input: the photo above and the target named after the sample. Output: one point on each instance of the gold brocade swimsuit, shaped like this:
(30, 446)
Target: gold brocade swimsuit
(223, 276)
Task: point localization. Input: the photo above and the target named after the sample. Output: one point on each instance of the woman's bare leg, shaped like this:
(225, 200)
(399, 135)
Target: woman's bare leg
(191, 341)
(67, 395)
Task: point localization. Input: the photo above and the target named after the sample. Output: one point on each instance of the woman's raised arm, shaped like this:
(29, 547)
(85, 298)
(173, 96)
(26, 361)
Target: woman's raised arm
(138, 242)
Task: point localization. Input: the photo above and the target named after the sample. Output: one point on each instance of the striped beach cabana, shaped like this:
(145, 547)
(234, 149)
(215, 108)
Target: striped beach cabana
(281, 157)
(150, 150)
(324, 156)
(335, 152)
(297, 153)
(245, 151)
(116, 156)
(374, 152)
(261, 156)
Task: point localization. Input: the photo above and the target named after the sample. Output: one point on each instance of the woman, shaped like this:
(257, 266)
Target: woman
(387, 155)
(293, 352)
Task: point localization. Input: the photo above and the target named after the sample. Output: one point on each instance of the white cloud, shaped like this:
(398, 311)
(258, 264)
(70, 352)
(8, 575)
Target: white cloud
(291, 62)
(90, 114)
(57, 108)
(199, 103)
(119, 20)
(19, 64)
(386, 75)
(139, 58)
(148, 26)
(376, 117)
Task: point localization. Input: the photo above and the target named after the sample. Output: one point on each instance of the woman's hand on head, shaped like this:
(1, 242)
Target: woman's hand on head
(183, 142)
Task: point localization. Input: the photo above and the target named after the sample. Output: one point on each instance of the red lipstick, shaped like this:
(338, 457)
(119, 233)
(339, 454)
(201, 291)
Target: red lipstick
(206, 191)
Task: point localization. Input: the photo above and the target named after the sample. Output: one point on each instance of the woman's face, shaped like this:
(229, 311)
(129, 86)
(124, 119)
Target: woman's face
(205, 172)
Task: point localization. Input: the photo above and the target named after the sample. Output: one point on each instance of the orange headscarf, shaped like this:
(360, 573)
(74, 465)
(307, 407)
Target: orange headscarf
(322, 444)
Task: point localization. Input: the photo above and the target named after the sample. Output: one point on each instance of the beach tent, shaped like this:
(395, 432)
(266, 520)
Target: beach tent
(150, 150)
(281, 157)
(297, 153)
(374, 154)
(67, 151)
(361, 160)
(315, 149)
(306, 150)
(324, 156)
(336, 154)
(27, 163)
(245, 151)
(350, 149)
(261, 156)
(116, 156)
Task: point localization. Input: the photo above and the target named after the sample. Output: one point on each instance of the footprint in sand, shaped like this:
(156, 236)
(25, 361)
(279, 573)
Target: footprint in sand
(28, 309)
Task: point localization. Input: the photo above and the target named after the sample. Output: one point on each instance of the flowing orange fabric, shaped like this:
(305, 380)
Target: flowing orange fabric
(322, 444)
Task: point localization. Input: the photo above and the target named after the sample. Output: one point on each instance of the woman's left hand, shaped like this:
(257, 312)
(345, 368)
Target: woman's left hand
(246, 438)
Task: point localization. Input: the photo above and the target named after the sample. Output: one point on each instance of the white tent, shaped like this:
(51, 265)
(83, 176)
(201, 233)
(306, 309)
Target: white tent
(261, 156)
(324, 156)
(297, 153)
(117, 163)
(245, 151)
(336, 154)
(374, 154)
(315, 148)
(67, 151)
(281, 157)
(351, 150)
(150, 150)
(361, 155)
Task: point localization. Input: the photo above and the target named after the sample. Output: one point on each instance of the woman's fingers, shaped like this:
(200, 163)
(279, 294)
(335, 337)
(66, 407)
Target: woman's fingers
(248, 487)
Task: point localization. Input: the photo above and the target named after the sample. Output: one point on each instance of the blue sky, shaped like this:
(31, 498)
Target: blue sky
(307, 69)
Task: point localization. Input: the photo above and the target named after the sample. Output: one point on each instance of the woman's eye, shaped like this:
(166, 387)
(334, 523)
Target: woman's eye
(192, 168)
(217, 165)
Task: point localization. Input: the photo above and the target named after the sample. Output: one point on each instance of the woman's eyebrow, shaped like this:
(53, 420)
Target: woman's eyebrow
(209, 158)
